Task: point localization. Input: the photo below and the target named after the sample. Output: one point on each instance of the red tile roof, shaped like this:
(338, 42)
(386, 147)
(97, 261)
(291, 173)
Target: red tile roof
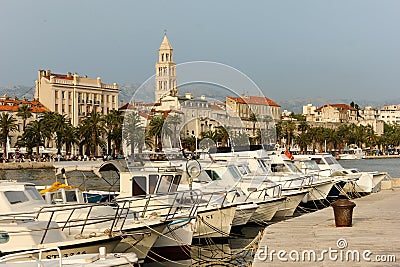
(12, 105)
(337, 106)
(216, 107)
(254, 100)
(145, 115)
(60, 76)
(127, 106)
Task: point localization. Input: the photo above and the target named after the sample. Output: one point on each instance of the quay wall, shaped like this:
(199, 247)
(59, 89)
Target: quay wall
(26, 165)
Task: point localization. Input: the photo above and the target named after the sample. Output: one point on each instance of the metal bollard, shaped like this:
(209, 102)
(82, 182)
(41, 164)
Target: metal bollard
(343, 211)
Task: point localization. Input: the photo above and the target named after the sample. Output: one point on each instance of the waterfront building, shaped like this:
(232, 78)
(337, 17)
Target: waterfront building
(75, 96)
(254, 112)
(390, 114)
(342, 113)
(11, 106)
(333, 115)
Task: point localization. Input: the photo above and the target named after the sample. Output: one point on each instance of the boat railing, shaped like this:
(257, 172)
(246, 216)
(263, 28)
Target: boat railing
(164, 206)
(299, 182)
(272, 191)
(28, 254)
(220, 198)
(71, 216)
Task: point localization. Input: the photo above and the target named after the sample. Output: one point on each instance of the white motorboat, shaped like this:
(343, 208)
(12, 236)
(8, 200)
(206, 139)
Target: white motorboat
(231, 176)
(364, 182)
(27, 222)
(174, 241)
(102, 258)
(352, 153)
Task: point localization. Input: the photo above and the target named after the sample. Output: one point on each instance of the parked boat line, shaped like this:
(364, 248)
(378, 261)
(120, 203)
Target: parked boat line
(185, 200)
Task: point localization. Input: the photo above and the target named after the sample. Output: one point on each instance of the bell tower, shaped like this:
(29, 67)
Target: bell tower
(165, 71)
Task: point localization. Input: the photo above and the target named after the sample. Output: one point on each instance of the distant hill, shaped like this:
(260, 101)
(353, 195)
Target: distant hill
(130, 92)
(19, 91)
(296, 105)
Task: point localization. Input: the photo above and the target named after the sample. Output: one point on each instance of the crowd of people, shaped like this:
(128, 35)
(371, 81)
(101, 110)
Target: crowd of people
(54, 158)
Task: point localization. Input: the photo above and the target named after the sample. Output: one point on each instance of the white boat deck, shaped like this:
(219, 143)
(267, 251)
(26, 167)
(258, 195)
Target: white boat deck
(376, 227)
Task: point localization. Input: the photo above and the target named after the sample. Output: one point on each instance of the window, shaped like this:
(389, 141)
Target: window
(165, 183)
(138, 185)
(213, 175)
(175, 183)
(235, 174)
(15, 197)
(153, 178)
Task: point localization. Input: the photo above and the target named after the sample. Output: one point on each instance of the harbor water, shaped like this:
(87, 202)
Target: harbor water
(227, 253)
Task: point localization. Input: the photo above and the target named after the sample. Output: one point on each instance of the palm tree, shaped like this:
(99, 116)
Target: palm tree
(113, 122)
(70, 137)
(173, 122)
(157, 129)
(25, 113)
(288, 128)
(36, 133)
(47, 119)
(8, 124)
(303, 139)
(303, 126)
(253, 118)
(60, 125)
(133, 132)
(223, 134)
(91, 131)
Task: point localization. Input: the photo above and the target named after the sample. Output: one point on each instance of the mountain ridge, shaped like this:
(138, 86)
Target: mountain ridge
(129, 92)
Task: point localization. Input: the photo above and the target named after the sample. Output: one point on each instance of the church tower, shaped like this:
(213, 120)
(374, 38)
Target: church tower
(165, 71)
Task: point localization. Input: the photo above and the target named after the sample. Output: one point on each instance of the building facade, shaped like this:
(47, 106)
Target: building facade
(390, 114)
(333, 113)
(75, 96)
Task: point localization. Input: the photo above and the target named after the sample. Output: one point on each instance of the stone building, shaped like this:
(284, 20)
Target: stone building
(74, 95)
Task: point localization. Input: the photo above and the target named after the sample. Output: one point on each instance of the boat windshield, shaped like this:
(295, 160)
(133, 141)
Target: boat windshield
(243, 169)
(33, 193)
(234, 172)
(331, 160)
(263, 165)
(168, 183)
(310, 165)
(292, 167)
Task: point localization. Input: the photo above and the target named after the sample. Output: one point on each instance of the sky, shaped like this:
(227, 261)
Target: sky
(289, 48)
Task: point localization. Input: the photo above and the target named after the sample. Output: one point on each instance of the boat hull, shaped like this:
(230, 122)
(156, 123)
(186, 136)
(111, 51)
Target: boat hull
(214, 222)
(244, 213)
(174, 244)
(319, 191)
(292, 201)
(368, 182)
(266, 210)
(140, 239)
